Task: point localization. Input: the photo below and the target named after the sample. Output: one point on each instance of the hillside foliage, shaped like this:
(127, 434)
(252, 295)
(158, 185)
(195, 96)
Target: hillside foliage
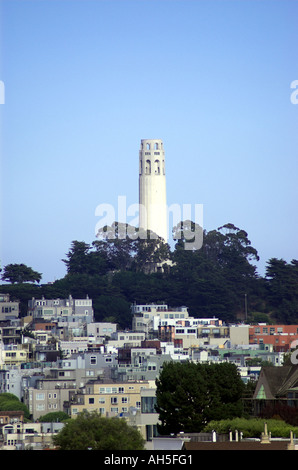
(220, 279)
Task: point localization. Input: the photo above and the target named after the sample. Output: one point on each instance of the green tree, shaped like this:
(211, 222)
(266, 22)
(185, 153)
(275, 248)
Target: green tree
(10, 402)
(225, 390)
(214, 279)
(93, 431)
(181, 396)
(83, 259)
(19, 273)
(54, 417)
(129, 248)
(189, 395)
(282, 284)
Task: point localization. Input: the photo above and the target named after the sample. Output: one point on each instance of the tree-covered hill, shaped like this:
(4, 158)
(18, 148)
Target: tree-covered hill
(219, 279)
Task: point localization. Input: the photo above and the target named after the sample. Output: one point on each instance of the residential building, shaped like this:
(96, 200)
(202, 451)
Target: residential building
(11, 381)
(145, 418)
(239, 335)
(100, 331)
(12, 355)
(108, 397)
(8, 309)
(279, 336)
(48, 395)
(62, 310)
(121, 339)
(10, 332)
(78, 345)
(147, 317)
(29, 436)
(276, 385)
(138, 365)
(11, 417)
(190, 333)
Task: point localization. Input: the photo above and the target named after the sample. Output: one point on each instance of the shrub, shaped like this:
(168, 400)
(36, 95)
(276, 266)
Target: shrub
(252, 427)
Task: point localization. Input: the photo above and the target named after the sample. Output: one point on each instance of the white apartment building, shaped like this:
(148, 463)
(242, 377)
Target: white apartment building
(147, 317)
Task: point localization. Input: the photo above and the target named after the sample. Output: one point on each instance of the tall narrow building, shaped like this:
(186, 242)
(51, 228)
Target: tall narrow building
(152, 188)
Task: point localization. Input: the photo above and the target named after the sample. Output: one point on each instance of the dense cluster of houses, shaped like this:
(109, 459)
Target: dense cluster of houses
(58, 358)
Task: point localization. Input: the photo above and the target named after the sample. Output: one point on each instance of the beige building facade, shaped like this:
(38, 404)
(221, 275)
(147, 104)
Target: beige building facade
(108, 398)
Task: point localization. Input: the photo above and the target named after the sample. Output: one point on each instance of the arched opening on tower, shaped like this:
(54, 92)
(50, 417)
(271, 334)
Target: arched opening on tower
(157, 167)
(148, 146)
(148, 167)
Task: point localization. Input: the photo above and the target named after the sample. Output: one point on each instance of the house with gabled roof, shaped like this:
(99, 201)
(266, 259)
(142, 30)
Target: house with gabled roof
(276, 385)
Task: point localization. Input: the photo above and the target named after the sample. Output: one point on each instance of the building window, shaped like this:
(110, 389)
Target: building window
(148, 404)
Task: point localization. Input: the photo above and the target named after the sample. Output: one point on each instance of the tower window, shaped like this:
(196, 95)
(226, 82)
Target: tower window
(156, 146)
(148, 147)
(148, 167)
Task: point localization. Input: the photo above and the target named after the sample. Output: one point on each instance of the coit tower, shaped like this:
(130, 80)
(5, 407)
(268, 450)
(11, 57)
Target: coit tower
(152, 188)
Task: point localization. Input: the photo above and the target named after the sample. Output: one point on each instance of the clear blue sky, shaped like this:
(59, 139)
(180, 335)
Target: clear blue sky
(85, 81)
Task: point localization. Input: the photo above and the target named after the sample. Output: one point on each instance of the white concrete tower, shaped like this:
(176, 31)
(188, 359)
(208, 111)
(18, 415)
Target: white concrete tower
(152, 188)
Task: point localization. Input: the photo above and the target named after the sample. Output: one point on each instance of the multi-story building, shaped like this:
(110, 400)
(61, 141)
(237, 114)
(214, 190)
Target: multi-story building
(48, 395)
(102, 330)
(195, 333)
(8, 309)
(121, 339)
(28, 436)
(10, 332)
(146, 418)
(109, 398)
(146, 317)
(12, 355)
(62, 310)
(11, 381)
(279, 336)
